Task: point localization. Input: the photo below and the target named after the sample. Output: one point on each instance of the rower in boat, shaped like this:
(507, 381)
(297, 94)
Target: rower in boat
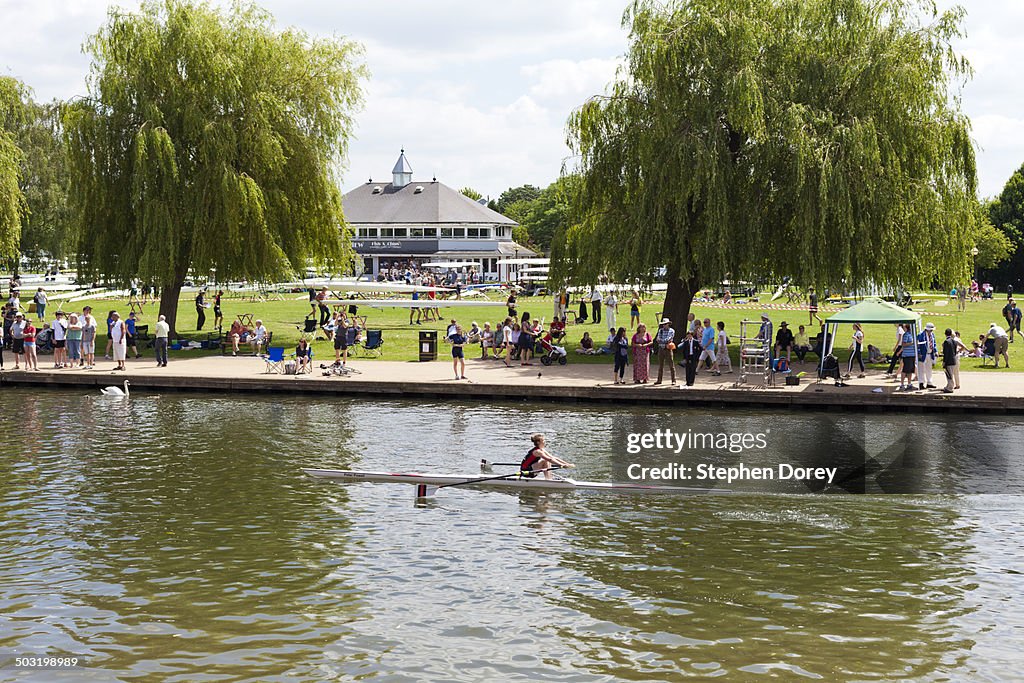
(540, 460)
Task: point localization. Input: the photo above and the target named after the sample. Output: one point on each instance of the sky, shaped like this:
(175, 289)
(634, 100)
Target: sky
(478, 93)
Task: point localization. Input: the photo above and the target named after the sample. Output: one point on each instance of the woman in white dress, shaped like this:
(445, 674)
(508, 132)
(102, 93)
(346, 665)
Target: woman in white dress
(118, 339)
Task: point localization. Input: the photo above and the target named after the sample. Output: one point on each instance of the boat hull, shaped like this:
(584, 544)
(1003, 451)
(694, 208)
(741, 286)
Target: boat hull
(512, 481)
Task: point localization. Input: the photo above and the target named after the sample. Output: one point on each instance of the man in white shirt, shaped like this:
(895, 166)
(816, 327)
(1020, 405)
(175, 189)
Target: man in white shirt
(60, 330)
(611, 307)
(259, 335)
(163, 332)
(595, 305)
(1002, 342)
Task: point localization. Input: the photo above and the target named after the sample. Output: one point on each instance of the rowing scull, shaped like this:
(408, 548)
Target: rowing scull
(511, 481)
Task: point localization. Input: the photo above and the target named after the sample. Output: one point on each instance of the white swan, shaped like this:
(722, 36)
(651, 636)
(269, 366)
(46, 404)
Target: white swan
(116, 391)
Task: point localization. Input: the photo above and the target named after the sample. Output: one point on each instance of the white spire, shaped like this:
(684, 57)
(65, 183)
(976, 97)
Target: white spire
(402, 172)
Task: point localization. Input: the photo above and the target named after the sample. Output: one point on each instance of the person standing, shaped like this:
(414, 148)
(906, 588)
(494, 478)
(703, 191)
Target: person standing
(906, 350)
(88, 338)
(611, 308)
(691, 354)
(641, 343)
(620, 354)
(321, 304)
(200, 309)
(118, 339)
(721, 352)
(812, 308)
(41, 300)
(895, 358)
(60, 336)
(1001, 342)
(161, 340)
(18, 338)
(665, 344)
(961, 299)
(341, 326)
(764, 333)
(707, 344)
(857, 353)
(130, 325)
(74, 341)
(927, 353)
(110, 343)
(506, 339)
(218, 314)
(634, 310)
(951, 348)
(458, 340)
(28, 332)
(595, 305)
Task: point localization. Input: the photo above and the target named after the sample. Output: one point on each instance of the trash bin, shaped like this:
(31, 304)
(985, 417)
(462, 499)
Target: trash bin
(428, 345)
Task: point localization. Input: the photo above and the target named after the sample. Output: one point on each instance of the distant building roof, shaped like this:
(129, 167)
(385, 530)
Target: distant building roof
(416, 203)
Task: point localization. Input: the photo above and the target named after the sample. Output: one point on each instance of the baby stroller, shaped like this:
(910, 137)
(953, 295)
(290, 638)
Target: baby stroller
(550, 353)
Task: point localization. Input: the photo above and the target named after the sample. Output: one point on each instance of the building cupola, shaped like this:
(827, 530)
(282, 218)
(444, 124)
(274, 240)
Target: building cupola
(402, 172)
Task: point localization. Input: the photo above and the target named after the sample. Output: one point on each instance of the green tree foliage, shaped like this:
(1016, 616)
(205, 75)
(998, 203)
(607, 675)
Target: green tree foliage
(523, 193)
(48, 229)
(993, 245)
(471, 193)
(1006, 212)
(210, 140)
(12, 200)
(551, 212)
(811, 138)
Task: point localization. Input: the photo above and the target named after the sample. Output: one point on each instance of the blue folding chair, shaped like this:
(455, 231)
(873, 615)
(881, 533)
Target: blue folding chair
(275, 359)
(373, 343)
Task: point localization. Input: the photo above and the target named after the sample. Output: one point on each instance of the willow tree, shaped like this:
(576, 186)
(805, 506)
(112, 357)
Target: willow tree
(12, 200)
(210, 141)
(820, 139)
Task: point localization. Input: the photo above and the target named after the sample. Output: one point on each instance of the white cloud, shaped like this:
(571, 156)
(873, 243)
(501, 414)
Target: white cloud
(479, 92)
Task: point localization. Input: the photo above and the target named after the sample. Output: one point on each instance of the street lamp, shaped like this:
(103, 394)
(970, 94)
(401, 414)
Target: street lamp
(974, 262)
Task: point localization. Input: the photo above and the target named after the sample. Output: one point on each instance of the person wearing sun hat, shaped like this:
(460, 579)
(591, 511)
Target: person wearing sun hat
(665, 343)
(927, 353)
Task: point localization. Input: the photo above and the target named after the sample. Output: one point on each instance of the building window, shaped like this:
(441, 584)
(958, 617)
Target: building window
(417, 232)
(367, 232)
(478, 232)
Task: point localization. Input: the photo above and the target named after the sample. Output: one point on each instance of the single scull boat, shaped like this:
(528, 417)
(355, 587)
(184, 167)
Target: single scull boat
(510, 481)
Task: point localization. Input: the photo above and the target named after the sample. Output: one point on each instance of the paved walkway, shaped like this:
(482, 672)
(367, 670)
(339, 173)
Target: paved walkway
(999, 391)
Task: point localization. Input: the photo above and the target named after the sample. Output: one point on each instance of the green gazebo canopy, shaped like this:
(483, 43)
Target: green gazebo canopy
(875, 311)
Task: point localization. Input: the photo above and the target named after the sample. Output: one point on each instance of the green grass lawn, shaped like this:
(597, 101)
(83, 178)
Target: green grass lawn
(284, 319)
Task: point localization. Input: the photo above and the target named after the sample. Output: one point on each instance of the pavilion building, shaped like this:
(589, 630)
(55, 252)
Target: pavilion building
(421, 221)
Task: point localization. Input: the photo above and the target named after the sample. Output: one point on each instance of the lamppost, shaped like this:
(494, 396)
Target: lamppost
(974, 262)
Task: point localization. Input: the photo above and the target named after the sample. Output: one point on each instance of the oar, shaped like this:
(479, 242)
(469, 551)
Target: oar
(426, 491)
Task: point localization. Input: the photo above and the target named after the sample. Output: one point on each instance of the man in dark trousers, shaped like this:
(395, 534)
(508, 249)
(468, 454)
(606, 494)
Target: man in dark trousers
(691, 356)
(200, 309)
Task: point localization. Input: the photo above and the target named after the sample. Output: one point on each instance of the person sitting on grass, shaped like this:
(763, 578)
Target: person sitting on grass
(875, 354)
(586, 347)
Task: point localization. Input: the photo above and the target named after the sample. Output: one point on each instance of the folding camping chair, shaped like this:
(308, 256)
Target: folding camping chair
(311, 327)
(373, 342)
(274, 359)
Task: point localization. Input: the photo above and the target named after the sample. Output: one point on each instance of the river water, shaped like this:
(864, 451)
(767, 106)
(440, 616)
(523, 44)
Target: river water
(174, 537)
